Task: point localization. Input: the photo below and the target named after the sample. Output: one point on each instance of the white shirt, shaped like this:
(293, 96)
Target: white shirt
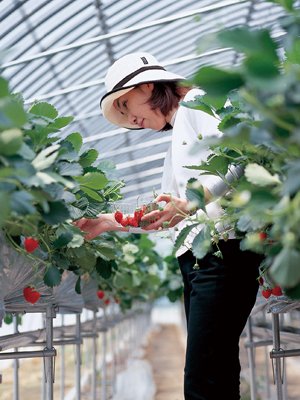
(188, 124)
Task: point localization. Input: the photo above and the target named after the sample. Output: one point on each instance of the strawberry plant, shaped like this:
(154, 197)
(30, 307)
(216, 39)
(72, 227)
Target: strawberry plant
(48, 179)
(260, 125)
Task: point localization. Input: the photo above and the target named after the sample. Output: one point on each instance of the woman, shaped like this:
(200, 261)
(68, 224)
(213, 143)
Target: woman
(142, 94)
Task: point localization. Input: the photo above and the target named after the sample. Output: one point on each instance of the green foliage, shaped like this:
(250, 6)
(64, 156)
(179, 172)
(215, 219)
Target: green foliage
(45, 184)
(260, 129)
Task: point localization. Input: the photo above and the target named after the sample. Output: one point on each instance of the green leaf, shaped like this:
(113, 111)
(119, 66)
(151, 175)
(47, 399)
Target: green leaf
(76, 140)
(88, 158)
(69, 169)
(103, 268)
(202, 243)
(217, 82)
(58, 212)
(292, 183)
(5, 207)
(78, 285)
(62, 240)
(123, 280)
(287, 4)
(259, 176)
(92, 194)
(21, 203)
(250, 42)
(261, 69)
(11, 141)
(285, 268)
(106, 250)
(293, 293)
(12, 114)
(77, 241)
(52, 276)
(46, 157)
(4, 88)
(93, 180)
(60, 122)
(198, 105)
(293, 53)
(183, 235)
(44, 109)
(195, 193)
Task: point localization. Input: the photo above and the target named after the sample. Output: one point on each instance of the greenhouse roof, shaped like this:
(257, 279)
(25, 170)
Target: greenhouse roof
(59, 51)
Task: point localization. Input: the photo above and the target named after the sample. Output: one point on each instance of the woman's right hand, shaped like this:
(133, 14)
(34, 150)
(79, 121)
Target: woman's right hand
(95, 226)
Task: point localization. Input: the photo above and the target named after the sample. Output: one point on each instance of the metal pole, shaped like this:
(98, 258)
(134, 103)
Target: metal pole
(78, 359)
(277, 371)
(16, 364)
(251, 358)
(94, 359)
(62, 364)
(104, 350)
(49, 361)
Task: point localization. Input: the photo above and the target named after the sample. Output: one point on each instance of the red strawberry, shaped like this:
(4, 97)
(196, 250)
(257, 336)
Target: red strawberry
(138, 213)
(125, 221)
(106, 301)
(30, 244)
(262, 236)
(100, 294)
(277, 291)
(118, 216)
(31, 295)
(266, 293)
(132, 221)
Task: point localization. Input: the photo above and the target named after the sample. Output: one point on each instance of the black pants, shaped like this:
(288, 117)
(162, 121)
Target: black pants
(218, 300)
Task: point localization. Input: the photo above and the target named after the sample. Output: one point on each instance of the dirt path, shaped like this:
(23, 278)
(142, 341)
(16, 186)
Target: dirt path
(165, 352)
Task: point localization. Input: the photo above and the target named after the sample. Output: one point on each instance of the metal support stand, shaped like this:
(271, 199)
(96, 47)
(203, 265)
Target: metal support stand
(62, 365)
(251, 358)
(49, 361)
(78, 358)
(104, 369)
(278, 369)
(16, 364)
(94, 358)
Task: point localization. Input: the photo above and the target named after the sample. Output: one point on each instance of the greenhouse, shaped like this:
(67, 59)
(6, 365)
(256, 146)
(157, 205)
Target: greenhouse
(150, 200)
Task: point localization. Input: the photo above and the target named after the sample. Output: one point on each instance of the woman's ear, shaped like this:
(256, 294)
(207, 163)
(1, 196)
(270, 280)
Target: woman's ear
(147, 88)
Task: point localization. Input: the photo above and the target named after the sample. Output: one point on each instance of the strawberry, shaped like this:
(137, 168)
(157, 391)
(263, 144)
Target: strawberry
(31, 295)
(261, 280)
(262, 236)
(118, 216)
(31, 244)
(106, 301)
(266, 293)
(133, 221)
(276, 291)
(100, 294)
(125, 221)
(138, 213)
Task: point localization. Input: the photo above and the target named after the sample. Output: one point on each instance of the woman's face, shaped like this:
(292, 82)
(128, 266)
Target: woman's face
(135, 107)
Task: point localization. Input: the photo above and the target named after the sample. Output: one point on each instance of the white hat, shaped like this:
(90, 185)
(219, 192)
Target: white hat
(126, 73)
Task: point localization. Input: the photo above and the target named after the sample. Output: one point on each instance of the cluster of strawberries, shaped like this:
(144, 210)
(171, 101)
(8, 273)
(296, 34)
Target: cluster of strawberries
(106, 300)
(267, 291)
(135, 219)
(275, 291)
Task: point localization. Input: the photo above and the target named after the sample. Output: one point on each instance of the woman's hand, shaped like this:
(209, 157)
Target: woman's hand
(175, 210)
(95, 226)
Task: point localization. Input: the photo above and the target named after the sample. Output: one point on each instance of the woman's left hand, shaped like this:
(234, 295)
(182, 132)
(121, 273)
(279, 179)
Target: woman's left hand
(175, 210)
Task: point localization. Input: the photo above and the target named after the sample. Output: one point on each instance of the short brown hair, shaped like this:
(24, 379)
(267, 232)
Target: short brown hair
(165, 96)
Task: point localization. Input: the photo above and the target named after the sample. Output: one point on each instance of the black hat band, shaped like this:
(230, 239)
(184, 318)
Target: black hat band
(127, 78)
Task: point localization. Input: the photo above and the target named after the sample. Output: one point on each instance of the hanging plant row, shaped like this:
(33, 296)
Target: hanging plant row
(258, 104)
(48, 181)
